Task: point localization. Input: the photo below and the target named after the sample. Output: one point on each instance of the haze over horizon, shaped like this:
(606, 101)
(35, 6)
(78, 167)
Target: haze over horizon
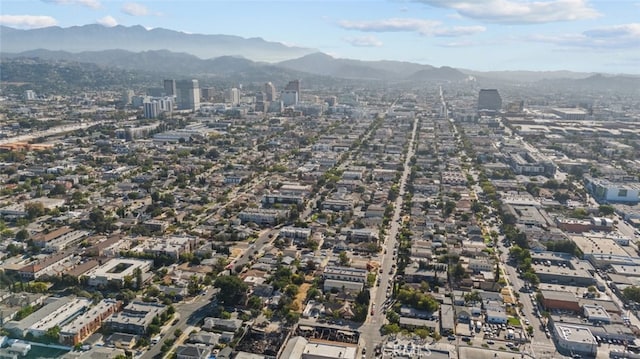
(492, 35)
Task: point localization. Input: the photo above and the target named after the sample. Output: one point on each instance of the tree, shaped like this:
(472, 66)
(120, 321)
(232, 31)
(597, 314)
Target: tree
(254, 302)
(53, 333)
(193, 287)
(232, 289)
(58, 190)
(497, 274)
(138, 274)
(632, 293)
(22, 235)
(606, 210)
(34, 209)
(458, 271)
(472, 297)
(531, 277)
(311, 265)
(363, 297)
(343, 259)
(564, 246)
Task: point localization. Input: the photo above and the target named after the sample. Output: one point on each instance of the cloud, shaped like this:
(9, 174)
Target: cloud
(459, 31)
(134, 9)
(390, 25)
(616, 31)
(519, 11)
(363, 41)
(465, 43)
(27, 21)
(107, 21)
(94, 4)
(423, 27)
(602, 38)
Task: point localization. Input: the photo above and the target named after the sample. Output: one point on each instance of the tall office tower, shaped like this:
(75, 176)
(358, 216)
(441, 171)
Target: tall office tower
(169, 87)
(289, 97)
(155, 91)
(233, 96)
(489, 100)
(293, 85)
(270, 92)
(188, 95)
(207, 93)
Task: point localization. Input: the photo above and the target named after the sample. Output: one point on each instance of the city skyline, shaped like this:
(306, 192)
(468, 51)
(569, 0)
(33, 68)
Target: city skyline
(494, 35)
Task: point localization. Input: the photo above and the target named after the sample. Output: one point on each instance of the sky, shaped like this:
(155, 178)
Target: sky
(484, 35)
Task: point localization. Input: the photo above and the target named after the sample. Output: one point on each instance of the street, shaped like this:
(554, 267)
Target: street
(191, 313)
(370, 330)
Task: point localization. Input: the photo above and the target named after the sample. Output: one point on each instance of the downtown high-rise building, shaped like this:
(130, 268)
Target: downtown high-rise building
(270, 92)
(289, 97)
(489, 100)
(233, 96)
(188, 95)
(169, 87)
(293, 85)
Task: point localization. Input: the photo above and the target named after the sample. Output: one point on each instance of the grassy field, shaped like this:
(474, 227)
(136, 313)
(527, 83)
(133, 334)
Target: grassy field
(513, 321)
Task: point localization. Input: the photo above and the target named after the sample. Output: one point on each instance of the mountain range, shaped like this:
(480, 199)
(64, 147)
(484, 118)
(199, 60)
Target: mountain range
(136, 38)
(223, 56)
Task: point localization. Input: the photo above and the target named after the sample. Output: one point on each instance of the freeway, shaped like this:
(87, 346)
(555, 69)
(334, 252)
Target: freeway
(52, 131)
(370, 330)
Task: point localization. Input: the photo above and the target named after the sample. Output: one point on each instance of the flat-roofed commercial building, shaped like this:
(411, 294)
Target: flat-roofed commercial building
(575, 339)
(564, 275)
(552, 299)
(301, 348)
(610, 191)
(596, 314)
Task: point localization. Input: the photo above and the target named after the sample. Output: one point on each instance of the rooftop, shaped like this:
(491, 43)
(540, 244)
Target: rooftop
(576, 334)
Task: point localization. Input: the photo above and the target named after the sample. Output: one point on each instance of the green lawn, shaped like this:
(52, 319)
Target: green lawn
(513, 321)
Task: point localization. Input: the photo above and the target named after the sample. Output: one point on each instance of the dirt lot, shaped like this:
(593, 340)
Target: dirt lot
(302, 295)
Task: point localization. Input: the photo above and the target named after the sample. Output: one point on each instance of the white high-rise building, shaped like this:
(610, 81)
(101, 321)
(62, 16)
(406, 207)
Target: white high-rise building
(29, 95)
(270, 92)
(154, 106)
(151, 109)
(233, 96)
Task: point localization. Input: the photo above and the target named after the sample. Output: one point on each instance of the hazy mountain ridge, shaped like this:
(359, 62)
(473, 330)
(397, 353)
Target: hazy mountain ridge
(128, 52)
(136, 38)
(528, 76)
(323, 64)
(154, 61)
(47, 76)
(616, 83)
